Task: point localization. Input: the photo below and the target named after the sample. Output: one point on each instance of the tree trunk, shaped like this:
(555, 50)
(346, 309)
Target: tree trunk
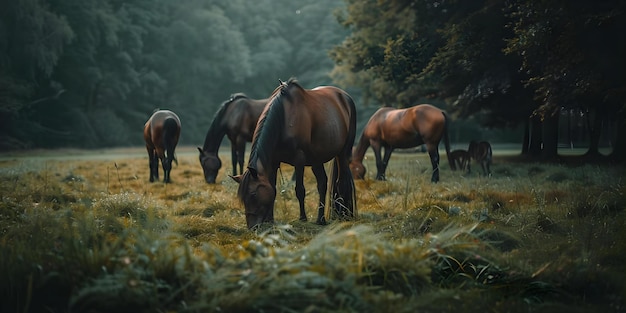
(550, 137)
(526, 139)
(595, 130)
(534, 147)
(619, 145)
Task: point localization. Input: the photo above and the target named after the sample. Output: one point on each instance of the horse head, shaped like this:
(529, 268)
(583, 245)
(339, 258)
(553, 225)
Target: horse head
(358, 169)
(257, 194)
(211, 165)
(356, 165)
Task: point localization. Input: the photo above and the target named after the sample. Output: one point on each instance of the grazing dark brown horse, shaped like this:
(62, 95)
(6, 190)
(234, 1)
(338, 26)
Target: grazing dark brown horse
(459, 158)
(391, 128)
(236, 118)
(161, 134)
(482, 153)
(303, 128)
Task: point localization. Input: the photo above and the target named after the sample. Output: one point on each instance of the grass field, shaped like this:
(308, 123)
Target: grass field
(86, 232)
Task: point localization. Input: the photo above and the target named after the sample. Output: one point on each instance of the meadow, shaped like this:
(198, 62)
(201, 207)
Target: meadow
(86, 232)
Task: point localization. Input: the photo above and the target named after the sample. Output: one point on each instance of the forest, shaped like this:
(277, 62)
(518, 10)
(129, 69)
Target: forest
(86, 224)
(88, 73)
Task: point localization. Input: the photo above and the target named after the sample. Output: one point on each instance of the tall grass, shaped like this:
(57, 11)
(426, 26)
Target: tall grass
(95, 236)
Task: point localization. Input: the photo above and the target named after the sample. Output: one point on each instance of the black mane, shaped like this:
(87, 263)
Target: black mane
(271, 124)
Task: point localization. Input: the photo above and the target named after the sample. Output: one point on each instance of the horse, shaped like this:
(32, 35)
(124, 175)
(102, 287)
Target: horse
(482, 153)
(301, 127)
(391, 128)
(236, 118)
(460, 158)
(161, 133)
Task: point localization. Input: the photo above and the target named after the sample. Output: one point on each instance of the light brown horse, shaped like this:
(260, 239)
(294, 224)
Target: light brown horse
(459, 158)
(482, 153)
(236, 118)
(303, 128)
(161, 133)
(391, 128)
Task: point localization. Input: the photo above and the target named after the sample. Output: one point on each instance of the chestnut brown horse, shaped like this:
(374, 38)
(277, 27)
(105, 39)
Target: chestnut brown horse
(236, 118)
(391, 128)
(301, 127)
(482, 153)
(459, 158)
(161, 134)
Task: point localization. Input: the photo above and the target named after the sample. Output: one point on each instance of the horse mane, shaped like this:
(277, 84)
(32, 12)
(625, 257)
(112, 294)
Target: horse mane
(271, 123)
(215, 131)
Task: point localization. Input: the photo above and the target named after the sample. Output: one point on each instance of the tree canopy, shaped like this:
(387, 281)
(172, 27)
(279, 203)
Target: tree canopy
(504, 60)
(88, 73)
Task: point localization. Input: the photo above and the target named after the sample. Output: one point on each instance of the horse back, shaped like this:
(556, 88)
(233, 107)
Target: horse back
(153, 129)
(480, 150)
(323, 122)
(406, 128)
(428, 120)
(242, 117)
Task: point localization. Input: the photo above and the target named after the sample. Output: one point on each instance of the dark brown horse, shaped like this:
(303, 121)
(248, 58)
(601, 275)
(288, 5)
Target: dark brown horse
(391, 128)
(161, 134)
(482, 153)
(302, 128)
(460, 159)
(236, 118)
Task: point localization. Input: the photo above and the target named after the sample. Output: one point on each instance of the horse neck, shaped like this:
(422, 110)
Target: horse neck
(216, 132)
(361, 147)
(268, 133)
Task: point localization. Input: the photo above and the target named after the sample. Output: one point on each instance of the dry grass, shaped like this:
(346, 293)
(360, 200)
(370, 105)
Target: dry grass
(77, 234)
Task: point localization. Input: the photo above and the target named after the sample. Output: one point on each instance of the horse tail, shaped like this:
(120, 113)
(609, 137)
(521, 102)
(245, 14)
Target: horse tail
(170, 129)
(446, 139)
(343, 191)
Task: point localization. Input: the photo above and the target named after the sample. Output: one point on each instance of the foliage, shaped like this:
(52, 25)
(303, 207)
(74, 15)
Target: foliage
(89, 73)
(95, 235)
(501, 61)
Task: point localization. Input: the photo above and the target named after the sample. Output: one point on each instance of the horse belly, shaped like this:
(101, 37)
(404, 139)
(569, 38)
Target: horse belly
(402, 139)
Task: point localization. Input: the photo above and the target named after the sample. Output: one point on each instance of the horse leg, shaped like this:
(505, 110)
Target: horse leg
(241, 152)
(233, 156)
(167, 168)
(433, 152)
(485, 165)
(300, 191)
(154, 167)
(150, 161)
(380, 170)
(463, 164)
(386, 158)
(322, 187)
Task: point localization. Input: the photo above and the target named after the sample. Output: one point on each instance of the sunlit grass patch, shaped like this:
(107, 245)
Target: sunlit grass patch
(465, 242)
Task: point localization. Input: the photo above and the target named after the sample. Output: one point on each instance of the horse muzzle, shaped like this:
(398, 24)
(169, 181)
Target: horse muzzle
(210, 179)
(254, 220)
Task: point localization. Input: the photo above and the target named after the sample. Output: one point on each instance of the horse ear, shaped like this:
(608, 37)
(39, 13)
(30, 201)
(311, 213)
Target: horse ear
(200, 149)
(253, 172)
(237, 178)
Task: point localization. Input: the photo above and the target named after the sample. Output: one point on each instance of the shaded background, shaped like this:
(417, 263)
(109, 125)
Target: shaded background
(88, 73)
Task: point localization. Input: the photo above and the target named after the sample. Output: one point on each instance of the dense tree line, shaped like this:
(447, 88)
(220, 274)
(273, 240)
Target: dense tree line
(509, 62)
(88, 73)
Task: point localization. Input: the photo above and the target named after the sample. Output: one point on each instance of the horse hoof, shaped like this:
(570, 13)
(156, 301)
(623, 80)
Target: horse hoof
(321, 221)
